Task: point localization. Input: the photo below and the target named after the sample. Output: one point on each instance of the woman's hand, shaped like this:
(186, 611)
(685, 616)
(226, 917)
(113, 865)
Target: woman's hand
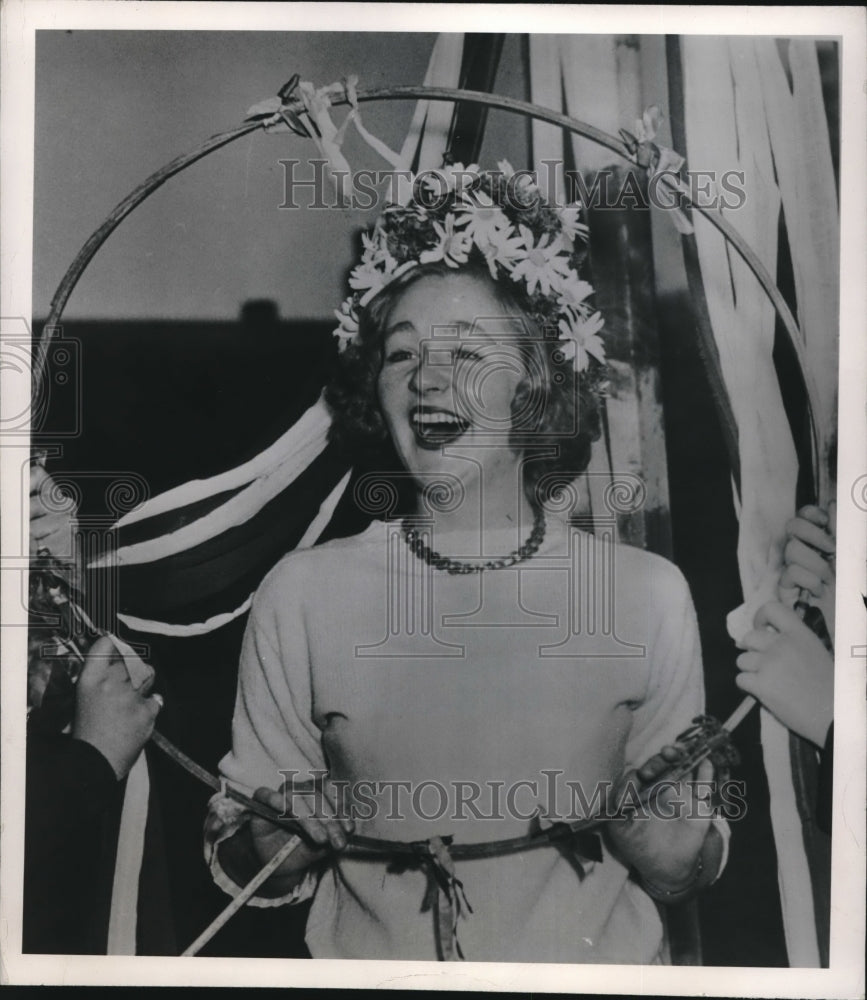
(808, 560)
(110, 713)
(323, 831)
(787, 668)
(52, 517)
(668, 841)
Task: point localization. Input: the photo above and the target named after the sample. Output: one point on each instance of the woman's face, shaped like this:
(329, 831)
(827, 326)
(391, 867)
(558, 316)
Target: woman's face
(451, 366)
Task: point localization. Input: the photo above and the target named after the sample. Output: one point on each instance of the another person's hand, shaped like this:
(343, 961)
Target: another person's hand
(669, 844)
(52, 517)
(787, 668)
(323, 830)
(110, 713)
(808, 560)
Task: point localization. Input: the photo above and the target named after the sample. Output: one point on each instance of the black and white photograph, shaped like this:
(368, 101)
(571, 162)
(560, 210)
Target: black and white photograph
(428, 459)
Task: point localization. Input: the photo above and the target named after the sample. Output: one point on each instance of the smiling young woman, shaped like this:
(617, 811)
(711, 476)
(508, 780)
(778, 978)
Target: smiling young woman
(434, 683)
(463, 389)
(452, 370)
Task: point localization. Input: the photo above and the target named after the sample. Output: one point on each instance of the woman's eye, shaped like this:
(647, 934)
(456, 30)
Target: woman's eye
(468, 354)
(397, 355)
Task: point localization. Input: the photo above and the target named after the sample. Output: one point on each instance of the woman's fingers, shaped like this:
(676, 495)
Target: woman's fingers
(314, 813)
(705, 771)
(748, 681)
(268, 797)
(815, 515)
(750, 662)
(104, 649)
(101, 666)
(659, 763)
(796, 577)
(811, 534)
(758, 640)
(50, 506)
(652, 768)
(320, 811)
(150, 676)
(38, 475)
(776, 615)
(627, 779)
(798, 553)
(307, 823)
(702, 787)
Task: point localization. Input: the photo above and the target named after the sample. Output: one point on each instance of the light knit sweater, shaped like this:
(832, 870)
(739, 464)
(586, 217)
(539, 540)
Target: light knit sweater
(361, 660)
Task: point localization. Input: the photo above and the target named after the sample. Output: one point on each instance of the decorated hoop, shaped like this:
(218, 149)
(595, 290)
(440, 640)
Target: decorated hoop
(707, 737)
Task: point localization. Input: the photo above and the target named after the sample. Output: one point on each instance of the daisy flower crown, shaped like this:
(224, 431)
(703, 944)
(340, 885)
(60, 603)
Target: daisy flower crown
(458, 215)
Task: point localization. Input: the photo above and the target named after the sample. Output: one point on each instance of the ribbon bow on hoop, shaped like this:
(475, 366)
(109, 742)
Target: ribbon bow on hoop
(445, 894)
(301, 108)
(661, 163)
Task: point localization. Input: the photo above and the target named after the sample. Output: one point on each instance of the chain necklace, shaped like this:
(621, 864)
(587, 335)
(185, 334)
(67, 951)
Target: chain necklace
(455, 566)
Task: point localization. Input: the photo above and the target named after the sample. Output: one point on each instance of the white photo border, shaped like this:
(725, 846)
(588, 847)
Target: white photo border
(845, 977)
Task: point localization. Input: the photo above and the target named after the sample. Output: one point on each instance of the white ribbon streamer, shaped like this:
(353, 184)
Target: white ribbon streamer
(310, 537)
(429, 128)
(309, 441)
(123, 916)
(309, 425)
(184, 631)
(740, 135)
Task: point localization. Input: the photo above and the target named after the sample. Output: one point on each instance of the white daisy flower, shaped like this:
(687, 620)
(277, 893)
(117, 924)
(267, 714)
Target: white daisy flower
(500, 246)
(579, 339)
(370, 274)
(347, 328)
(453, 247)
(375, 248)
(569, 218)
(542, 262)
(451, 179)
(573, 291)
(483, 220)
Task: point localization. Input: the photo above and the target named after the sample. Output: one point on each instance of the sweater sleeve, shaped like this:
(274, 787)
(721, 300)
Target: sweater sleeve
(675, 691)
(274, 737)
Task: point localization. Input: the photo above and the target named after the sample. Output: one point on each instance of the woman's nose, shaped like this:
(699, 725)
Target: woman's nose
(433, 373)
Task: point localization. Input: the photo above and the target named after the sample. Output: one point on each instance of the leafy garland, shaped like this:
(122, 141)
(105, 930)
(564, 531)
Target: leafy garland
(458, 214)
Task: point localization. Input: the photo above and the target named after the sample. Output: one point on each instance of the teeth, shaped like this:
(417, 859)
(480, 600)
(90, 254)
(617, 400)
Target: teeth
(436, 418)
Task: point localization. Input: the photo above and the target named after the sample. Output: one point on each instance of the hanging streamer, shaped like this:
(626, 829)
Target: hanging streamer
(429, 129)
(753, 129)
(310, 537)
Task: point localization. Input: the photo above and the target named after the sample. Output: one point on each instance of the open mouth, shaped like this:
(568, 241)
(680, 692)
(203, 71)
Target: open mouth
(434, 428)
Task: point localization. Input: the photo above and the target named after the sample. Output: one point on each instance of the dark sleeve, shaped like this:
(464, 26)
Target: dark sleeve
(69, 788)
(825, 791)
